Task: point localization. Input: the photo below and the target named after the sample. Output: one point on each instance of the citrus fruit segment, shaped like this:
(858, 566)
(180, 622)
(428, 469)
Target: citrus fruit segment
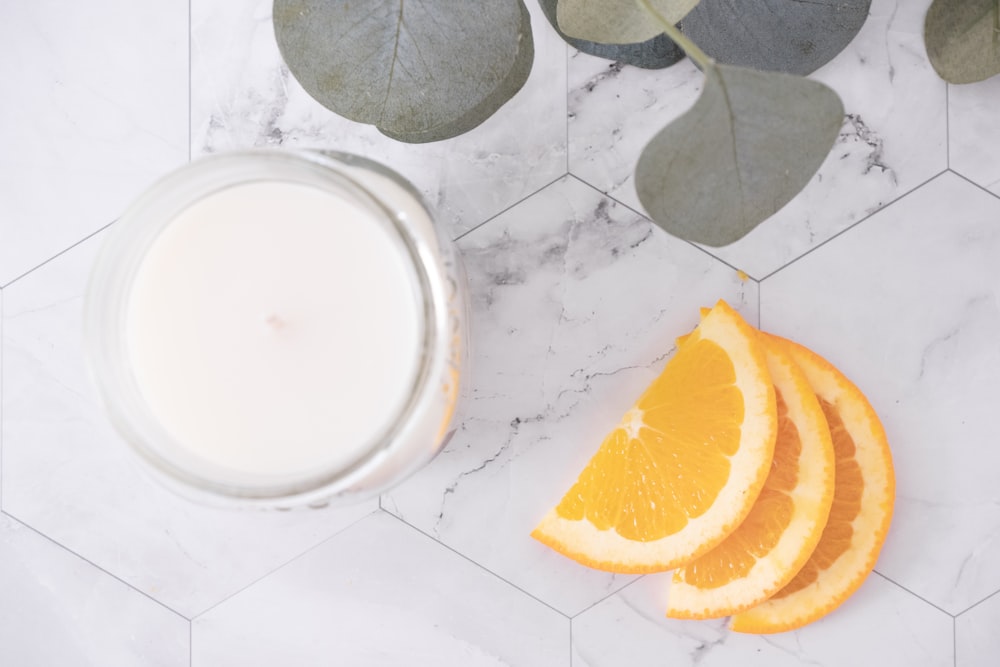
(863, 496)
(784, 525)
(685, 464)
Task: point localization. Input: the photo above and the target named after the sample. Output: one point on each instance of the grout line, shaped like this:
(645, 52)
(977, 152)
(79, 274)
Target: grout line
(57, 255)
(517, 203)
(947, 124)
(760, 288)
(637, 579)
(853, 225)
(571, 642)
(190, 643)
(190, 129)
(972, 182)
(287, 562)
(1, 400)
(566, 99)
(478, 565)
(650, 220)
(95, 565)
(919, 597)
(976, 604)
(954, 642)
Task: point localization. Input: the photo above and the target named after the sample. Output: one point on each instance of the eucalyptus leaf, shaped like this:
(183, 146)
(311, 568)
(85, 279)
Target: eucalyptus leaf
(751, 141)
(417, 71)
(655, 53)
(778, 35)
(617, 21)
(963, 39)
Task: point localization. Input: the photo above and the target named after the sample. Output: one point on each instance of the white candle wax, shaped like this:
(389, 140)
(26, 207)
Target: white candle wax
(275, 328)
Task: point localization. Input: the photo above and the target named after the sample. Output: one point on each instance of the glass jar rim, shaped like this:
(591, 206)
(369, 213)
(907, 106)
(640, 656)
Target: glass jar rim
(115, 268)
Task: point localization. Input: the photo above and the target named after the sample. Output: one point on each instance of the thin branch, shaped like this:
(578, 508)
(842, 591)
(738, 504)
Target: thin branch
(690, 48)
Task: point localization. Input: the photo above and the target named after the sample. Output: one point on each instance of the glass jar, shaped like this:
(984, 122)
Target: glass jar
(343, 381)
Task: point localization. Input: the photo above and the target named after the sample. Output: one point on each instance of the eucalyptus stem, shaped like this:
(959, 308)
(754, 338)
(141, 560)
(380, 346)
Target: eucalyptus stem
(680, 39)
(996, 28)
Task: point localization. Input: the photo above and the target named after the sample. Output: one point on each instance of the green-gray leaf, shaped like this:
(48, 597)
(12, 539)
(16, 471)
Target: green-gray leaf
(779, 35)
(617, 21)
(963, 39)
(417, 71)
(750, 143)
(655, 53)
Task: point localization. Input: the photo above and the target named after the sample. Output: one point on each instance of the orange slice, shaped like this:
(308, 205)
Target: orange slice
(685, 464)
(784, 525)
(863, 496)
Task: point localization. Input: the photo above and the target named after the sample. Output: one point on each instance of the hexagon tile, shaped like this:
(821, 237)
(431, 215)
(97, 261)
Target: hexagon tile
(918, 334)
(380, 593)
(885, 264)
(576, 302)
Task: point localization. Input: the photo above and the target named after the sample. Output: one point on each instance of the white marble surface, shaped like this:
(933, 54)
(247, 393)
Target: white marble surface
(976, 639)
(95, 105)
(381, 593)
(885, 263)
(58, 609)
(551, 279)
(880, 624)
(974, 132)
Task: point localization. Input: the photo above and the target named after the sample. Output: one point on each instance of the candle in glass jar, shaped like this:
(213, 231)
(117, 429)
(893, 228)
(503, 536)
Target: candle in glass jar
(278, 328)
(274, 328)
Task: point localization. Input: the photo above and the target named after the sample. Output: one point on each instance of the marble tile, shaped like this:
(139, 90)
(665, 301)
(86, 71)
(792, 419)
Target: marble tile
(60, 610)
(973, 132)
(630, 629)
(977, 643)
(243, 95)
(906, 305)
(575, 305)
(83, 128)
(68, 475)
(892, 139)
(380, 593)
